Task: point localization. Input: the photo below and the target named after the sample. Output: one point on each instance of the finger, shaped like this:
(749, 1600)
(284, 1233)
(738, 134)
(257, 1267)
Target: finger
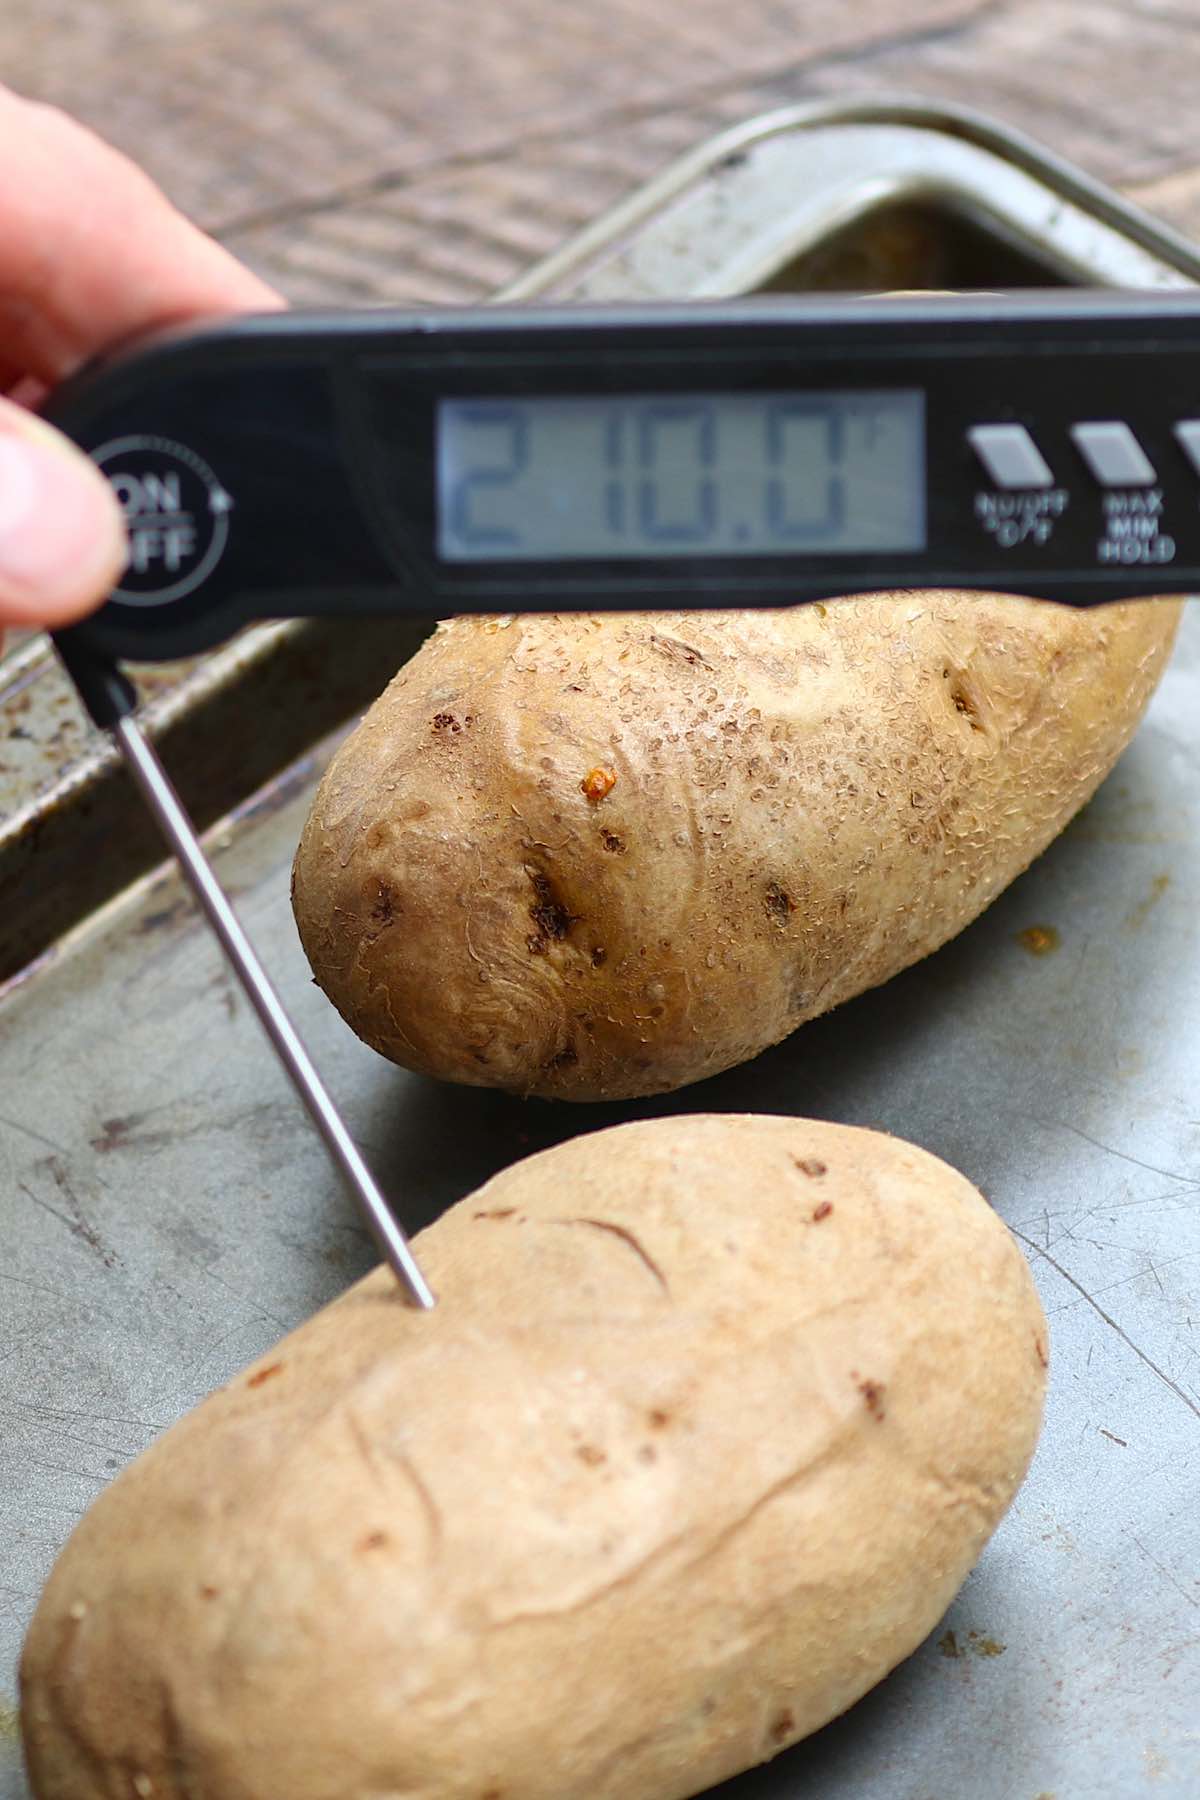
(92, 252)
(28, 392)
(62, 537)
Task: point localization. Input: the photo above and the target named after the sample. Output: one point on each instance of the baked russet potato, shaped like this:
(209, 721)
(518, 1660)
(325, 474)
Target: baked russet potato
(599, 857)
(711, 1420)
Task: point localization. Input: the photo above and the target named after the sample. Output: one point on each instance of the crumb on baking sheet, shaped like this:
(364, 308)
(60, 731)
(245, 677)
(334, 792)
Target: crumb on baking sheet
(1040, 940)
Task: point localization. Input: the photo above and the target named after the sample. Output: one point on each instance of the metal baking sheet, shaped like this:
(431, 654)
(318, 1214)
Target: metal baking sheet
(165, 1213)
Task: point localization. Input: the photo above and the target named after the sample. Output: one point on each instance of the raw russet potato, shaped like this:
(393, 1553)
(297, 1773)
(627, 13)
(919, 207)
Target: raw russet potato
(598, 857)
(712, 1419)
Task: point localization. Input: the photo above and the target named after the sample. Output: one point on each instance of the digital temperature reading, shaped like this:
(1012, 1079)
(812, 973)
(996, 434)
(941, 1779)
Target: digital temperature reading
(653, 475)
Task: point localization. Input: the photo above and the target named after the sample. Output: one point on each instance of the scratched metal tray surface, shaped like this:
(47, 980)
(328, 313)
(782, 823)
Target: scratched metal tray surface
(165, 1213)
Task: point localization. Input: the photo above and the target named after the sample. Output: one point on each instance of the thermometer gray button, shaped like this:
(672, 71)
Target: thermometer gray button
(1113, 454)
(1010, 456)
(1188, 433)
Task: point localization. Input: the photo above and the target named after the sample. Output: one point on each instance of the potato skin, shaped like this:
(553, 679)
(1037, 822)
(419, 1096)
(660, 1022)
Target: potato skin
(711, 1420)
(804, 803)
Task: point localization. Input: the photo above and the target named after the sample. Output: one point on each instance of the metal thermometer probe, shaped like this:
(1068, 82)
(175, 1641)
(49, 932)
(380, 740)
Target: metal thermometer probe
(109, 699)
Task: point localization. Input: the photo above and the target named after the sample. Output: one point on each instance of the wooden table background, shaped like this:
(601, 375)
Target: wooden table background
(370, 150)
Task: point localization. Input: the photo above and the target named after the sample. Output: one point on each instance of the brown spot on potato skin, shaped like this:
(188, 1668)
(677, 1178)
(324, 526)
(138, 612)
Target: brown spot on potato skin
(612, 843)
(965, 702)
(591, 1455)
(779, 904)
(678, 651)
(383, 911)
(551, 917)
(624, 1236)
(597, 785)
(374, 1540)
(872, 1393)
(811, 1166)
(264, 1375)
(208, 1592)
(783, 1727)
(497, 1212)
(659, 1420)
(822, 1212)
(1043, 1354)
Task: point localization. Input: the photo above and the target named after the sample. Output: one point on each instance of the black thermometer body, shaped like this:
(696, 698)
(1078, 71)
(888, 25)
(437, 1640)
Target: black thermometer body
(748, 453)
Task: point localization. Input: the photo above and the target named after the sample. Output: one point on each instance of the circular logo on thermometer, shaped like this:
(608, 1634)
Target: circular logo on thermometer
(176, 512)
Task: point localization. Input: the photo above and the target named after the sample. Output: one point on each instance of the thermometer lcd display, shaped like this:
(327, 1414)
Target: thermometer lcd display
(661, 475)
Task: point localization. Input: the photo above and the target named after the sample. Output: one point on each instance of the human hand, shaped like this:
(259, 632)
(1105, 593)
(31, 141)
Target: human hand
(91, 253)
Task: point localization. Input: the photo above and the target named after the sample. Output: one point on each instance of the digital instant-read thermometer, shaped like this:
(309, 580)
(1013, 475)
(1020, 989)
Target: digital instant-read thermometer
(749, 453)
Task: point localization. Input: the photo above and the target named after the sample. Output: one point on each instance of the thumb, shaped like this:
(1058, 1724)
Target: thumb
(62, 537)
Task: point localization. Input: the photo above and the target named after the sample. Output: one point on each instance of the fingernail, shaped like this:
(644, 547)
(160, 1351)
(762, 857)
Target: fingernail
(61, 539)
